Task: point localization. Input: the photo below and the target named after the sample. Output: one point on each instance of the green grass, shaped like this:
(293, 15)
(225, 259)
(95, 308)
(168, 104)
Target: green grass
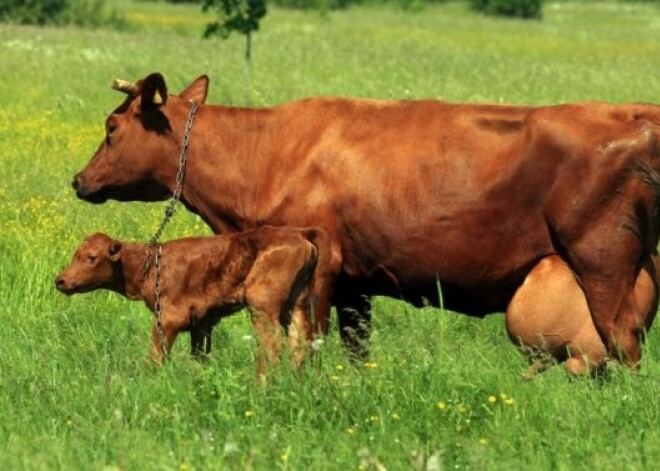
(76, 390)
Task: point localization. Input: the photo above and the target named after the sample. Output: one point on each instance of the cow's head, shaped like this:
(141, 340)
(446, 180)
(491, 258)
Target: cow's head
(138, 156)
(94, 266)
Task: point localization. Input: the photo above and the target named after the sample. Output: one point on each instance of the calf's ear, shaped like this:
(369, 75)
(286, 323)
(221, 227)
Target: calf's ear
(197, 90)
(115, 251)
(153, 91)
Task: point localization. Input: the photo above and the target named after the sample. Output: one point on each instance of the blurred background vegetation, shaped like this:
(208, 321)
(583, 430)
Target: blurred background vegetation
(101, 12)
(234, 15)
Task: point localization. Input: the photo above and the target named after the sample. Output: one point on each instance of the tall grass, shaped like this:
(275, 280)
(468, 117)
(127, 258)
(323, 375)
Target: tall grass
(76, 390)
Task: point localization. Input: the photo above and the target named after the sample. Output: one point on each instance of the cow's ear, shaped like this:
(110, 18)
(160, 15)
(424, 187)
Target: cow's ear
(153, 91)
(197, 90)
(114, 252)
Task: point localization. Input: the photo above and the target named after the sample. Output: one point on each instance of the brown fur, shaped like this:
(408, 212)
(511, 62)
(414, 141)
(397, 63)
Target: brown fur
(549, 317)
(269, 270)
(411, 192)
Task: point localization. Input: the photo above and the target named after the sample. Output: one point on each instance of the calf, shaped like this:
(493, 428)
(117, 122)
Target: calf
(550, 319)
(270, 270)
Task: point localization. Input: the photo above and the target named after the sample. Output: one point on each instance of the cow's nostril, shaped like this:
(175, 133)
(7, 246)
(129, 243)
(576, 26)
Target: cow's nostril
(75, 183)
(59, 283)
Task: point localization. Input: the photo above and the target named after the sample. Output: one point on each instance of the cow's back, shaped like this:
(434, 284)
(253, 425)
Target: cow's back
(419, 190)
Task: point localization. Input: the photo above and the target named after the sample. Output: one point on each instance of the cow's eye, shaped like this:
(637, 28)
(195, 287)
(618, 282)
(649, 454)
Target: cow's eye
(109, 129)
(91, 258)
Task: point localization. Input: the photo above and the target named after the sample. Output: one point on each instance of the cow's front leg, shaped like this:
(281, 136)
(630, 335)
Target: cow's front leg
(200, 337)
(354, 319)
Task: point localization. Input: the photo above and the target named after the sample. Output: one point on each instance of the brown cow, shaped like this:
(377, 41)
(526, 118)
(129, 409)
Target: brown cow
(410, 191)
(549, 317)
(203, 279)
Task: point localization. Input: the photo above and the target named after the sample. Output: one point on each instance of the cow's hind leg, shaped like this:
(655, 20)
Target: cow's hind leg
(622, 302)
(614, 313)
(548, 317)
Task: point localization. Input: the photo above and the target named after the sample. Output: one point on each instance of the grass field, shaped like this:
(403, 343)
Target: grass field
(76, 390)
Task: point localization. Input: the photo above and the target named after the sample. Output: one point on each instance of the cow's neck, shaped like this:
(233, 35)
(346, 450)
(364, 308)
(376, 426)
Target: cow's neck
(130, 276)
(223, 164)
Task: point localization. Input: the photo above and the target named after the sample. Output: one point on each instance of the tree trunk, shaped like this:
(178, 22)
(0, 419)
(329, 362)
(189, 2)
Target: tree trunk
(248, 67)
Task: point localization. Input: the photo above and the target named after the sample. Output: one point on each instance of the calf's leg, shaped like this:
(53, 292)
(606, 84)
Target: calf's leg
(269, 339)
(158, 351)
(174, 321)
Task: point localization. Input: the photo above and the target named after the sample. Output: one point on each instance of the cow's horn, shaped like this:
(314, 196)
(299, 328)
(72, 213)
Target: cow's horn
(124, 86)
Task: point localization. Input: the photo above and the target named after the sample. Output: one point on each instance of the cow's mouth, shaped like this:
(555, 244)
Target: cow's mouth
(94, 197)
(63, 287)
(72, 288)
(86, 194)
(139, 191)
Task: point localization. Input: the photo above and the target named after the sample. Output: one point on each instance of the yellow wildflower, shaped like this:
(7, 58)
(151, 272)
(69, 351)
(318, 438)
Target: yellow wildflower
(442, 405)
(249, 413)
(492, 399)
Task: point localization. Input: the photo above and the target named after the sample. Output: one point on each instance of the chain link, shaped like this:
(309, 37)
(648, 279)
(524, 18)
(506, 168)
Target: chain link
(169, 212)
(157, 306)
(176, 195)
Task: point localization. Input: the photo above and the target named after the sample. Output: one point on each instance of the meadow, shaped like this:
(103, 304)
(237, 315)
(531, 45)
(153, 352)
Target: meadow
(441, 391)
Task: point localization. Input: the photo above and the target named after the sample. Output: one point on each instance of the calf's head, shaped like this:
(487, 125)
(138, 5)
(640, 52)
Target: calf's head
(138, 158)
(94, 266)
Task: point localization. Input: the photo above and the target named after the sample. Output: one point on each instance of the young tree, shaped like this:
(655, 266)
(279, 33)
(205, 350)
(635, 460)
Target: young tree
(241, 16)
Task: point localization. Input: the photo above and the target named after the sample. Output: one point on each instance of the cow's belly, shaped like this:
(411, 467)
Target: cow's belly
(477, 264)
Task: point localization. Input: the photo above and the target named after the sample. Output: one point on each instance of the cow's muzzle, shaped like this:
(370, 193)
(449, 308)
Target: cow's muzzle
(86, 194)
(62, 286)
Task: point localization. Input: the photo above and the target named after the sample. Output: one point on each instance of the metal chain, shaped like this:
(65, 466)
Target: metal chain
(176, 195)
(169, 212)
(157, 306)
